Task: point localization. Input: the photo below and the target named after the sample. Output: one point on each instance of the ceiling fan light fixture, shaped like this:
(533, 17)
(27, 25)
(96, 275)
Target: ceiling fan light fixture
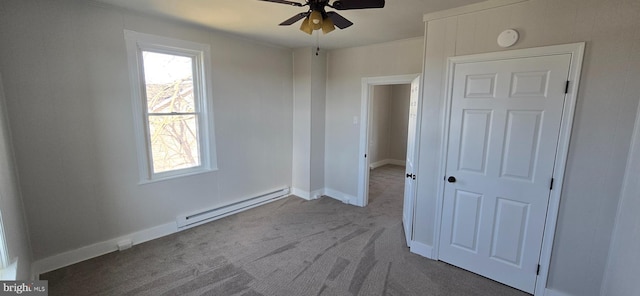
(306, 27)
(327, 26)
(315, 20)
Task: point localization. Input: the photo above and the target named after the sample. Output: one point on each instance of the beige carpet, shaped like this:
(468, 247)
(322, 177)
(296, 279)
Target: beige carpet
(288, 247)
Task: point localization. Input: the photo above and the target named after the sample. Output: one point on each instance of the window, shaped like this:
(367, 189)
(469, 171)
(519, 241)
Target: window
(170, 90)
(4, 254)
(8, 269)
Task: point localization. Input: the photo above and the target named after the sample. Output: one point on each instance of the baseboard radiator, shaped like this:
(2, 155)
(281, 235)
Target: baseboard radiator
(202, 217)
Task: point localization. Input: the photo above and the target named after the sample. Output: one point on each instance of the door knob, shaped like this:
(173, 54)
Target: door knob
(451, 179)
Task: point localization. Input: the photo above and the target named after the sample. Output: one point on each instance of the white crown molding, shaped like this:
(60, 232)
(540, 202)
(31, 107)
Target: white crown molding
(490, 4)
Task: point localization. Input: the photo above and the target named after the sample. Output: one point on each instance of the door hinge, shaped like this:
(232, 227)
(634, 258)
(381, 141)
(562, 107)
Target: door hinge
(566, 88)
(551, 186)
(538, 271)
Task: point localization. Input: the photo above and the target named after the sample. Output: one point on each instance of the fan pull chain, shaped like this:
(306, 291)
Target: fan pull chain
(318, 43)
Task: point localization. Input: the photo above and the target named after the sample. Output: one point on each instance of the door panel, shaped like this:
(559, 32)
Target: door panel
(480, 86)
(475, 132)
(521, 144)
(503, 132)
(530, 84)
(409, 184)
(466, 219)
(508, 239)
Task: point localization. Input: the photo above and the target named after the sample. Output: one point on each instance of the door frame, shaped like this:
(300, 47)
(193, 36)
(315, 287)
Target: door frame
(365, 109)
(576, 50)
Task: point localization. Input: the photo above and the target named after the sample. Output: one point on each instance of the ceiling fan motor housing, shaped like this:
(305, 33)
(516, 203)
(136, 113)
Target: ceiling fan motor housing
(317, 17)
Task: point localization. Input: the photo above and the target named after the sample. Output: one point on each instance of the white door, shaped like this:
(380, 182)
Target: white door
(504, 128)
(410, 181)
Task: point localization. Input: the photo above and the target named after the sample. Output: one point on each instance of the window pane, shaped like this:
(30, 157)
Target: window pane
(174, 142)
(169, 82)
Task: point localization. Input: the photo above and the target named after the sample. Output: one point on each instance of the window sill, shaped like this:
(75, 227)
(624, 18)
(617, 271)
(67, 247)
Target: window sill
(9, 273)
(176, 176)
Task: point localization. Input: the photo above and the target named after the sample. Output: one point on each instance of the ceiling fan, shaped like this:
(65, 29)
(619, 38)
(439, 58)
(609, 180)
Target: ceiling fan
(317, 17)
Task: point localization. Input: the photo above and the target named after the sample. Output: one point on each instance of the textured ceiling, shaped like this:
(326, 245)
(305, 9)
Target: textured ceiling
(258, 20)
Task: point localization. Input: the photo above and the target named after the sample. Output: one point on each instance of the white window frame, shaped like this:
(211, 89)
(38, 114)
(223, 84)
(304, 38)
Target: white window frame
(201, 53)
(4, 251)
(8, 269)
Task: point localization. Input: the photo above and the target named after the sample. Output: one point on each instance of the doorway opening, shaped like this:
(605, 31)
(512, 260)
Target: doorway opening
(373, 129)
(388, 141)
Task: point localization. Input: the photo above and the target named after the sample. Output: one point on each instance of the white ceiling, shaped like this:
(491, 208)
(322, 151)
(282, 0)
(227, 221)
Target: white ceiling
(258, 20)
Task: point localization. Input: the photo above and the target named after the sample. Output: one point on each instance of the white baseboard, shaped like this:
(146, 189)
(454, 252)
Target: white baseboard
(549, 292)
(317, 193)
(98, 249)
(383, 162)
(377, 164)
(337, 195)
(85, 253)
(422, 250)
(343, 197)
(306, 194)
(301, 193)
(397, 162)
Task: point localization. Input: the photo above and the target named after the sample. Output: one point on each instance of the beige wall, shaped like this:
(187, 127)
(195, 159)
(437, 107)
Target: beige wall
(69, 105)
(346, 68)
(603, 124)
(399, 114)
(389, 119)
(69, 100)
(379, 124)
(318, 117)
(621, 276)
(301, 172)
(309, 77)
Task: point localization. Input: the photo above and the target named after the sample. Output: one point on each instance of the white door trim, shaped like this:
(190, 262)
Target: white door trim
(577, 53)
(365, 107)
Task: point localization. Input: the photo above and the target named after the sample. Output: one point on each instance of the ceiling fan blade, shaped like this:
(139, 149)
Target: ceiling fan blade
(294, 19)
(338, 20)
(357, 4)
(285, 2)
